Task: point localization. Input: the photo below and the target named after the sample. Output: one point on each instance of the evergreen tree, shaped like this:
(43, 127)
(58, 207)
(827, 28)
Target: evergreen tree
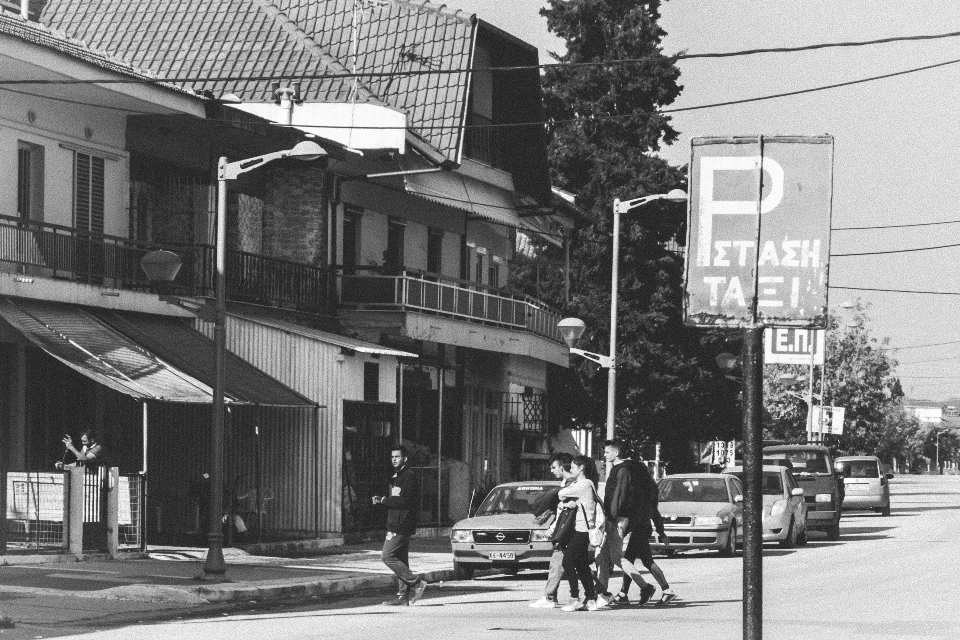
(604, 125)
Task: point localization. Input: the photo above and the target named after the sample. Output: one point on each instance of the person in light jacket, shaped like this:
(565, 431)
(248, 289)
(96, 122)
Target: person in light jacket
(581, 495)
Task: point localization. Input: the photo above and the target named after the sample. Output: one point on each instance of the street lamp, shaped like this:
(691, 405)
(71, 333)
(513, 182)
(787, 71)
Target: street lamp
(214, 565)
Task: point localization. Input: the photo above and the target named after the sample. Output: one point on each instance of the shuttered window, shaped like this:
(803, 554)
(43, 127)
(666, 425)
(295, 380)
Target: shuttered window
(88, 192)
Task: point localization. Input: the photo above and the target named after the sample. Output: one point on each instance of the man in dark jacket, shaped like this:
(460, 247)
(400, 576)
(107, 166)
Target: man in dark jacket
(402, 502)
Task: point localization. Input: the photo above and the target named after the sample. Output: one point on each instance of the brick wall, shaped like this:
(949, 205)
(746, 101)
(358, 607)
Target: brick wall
(294, 221)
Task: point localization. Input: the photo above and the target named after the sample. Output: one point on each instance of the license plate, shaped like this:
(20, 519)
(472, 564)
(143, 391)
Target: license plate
(857, 487)
(503, 555)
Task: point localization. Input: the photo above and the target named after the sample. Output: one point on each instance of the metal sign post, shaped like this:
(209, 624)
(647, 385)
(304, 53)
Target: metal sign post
(758, 233)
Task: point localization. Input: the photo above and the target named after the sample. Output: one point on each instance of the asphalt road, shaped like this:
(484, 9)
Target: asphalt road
(888, 577)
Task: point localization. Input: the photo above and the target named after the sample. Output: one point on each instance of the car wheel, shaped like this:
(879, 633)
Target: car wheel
(802, 537)
(885, 511)
(790, 541)
(730, 549)
(462, 571)
(833, 531)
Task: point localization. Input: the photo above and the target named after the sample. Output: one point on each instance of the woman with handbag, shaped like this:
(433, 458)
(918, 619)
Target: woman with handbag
(581, 496)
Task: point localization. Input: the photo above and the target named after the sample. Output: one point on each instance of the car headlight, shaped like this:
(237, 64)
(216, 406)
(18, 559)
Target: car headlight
(824, 497)
(461, 535)
(707, 521)
(778, 507)
(540, 535)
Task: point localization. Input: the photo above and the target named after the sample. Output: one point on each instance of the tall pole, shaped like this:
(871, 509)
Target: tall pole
(214, 565)
(753, 476)
(614, 286)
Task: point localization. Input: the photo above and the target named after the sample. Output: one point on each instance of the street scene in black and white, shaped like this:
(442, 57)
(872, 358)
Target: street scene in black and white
(358, 318)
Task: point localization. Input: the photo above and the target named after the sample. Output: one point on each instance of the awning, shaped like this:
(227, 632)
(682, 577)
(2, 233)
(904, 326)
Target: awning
(178, 343)
(86, 345)
(473, 196)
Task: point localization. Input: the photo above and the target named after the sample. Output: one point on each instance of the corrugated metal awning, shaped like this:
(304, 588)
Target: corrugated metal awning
(473, 196)
(353, 344)
(189, 350)
(88, 346)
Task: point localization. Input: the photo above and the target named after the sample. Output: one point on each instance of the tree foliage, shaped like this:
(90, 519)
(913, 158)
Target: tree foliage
(605, 126)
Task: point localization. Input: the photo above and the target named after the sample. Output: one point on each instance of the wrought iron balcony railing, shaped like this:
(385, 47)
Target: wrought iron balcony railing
(55, 251)
(414, 290)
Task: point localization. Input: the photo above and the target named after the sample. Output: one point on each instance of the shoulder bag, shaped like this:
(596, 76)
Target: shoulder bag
(564, 526)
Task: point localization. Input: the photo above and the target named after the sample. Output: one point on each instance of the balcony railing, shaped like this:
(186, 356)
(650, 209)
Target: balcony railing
(55, 251)
(420, 291)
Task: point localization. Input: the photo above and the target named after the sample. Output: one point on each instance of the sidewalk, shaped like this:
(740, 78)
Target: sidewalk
(168, 578)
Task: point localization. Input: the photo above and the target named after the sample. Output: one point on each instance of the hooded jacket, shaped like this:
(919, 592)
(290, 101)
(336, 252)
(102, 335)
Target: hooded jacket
(402, 502)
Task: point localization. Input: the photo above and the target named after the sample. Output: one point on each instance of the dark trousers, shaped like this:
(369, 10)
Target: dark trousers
(395, 554)
(576, 560)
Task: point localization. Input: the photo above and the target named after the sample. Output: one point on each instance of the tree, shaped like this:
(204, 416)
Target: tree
(861, 378)
(605, 125)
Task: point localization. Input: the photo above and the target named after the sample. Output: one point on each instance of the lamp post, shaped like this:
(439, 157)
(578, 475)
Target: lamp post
(609, 362)
(214, 565)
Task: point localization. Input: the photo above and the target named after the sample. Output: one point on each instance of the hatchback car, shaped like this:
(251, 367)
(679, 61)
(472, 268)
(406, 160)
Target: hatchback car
(504, 533)
(866, 484)
(822, 488)
(784, 509)
(700, 511)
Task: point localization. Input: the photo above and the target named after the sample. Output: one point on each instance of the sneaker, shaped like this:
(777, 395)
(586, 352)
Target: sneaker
(594, 605)
(646, 592)
(667, 596)
(544, 603)
(397, 601)
(620, 600)
(416, 591)
(602, 601)
(576, 605)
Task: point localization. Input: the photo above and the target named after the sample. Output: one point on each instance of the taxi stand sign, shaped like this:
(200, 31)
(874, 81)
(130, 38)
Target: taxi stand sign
(758, 231)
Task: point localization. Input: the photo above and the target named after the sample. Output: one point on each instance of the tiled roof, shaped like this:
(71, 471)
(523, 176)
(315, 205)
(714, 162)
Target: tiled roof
(35, 33)
(251, 41)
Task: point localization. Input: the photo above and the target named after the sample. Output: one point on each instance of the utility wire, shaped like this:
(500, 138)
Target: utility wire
(549, 65)
(917, 291)
(882, 253)
(894, 226)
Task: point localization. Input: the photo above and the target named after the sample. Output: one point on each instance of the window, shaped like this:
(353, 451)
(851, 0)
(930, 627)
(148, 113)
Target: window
(478, 274)
(88, 192)
(351, 241)
(29, 181)
(393, 256)
(371, 382)
(493, 275)
(434, 250)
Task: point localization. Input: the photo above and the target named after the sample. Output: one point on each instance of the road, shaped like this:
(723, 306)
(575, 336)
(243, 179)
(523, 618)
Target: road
(893, 577)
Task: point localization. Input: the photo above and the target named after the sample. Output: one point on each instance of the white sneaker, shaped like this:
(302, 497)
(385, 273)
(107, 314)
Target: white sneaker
(575, 606)
(600, 603)
(594, 605)
(544, 603)
(667, 596)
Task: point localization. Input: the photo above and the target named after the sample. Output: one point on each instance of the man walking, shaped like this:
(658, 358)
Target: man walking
(560, 468)
(402, 503)
(622, 508)
(638, 544)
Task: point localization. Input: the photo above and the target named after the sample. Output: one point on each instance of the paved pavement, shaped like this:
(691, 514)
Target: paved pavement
(53, 591)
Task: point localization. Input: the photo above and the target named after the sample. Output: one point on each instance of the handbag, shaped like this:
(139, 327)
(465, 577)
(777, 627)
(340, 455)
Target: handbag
(597, 535)
(564, 526)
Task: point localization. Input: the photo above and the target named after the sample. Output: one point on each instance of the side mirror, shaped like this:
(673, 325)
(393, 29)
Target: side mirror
(796, 491)
(738, 499)
(889, 476)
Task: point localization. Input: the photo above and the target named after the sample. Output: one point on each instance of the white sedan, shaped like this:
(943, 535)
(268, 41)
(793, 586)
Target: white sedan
(784, 509)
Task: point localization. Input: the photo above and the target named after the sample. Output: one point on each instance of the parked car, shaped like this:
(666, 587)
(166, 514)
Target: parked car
(867, 485)
(784, 509)
(504, 533)
(701, 511)
(822, 487)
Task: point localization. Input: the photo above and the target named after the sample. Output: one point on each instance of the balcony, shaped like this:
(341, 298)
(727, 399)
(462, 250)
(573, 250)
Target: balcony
(54, 251)
(413, 290)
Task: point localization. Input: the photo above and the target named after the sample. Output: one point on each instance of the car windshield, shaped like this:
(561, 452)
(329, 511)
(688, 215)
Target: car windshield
(772, 482)
(802, 461)
(858, 468)
(693, 490)
(517, 499)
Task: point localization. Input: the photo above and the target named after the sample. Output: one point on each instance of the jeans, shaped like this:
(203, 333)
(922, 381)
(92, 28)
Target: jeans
(395, 554)
(555, 575)
(576, 560)
(611, 555)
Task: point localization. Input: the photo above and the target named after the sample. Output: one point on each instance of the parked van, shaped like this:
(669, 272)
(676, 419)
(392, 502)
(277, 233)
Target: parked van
(823, 489)
(867, 485)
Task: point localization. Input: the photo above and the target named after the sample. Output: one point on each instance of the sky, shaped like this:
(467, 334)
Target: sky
(897, 140)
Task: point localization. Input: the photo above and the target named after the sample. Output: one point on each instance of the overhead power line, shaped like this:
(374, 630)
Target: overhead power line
(882, 253)
(917, 291)
(894, 226)
(548, 65)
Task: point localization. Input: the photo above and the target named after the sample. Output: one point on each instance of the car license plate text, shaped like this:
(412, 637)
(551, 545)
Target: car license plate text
(503, 555)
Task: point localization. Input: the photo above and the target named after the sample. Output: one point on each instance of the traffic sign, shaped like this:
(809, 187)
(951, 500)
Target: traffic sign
(758, 231)
(789, 345)
(828, 420)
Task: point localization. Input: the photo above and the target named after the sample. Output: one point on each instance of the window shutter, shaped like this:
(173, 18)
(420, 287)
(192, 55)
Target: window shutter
(88, 192)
